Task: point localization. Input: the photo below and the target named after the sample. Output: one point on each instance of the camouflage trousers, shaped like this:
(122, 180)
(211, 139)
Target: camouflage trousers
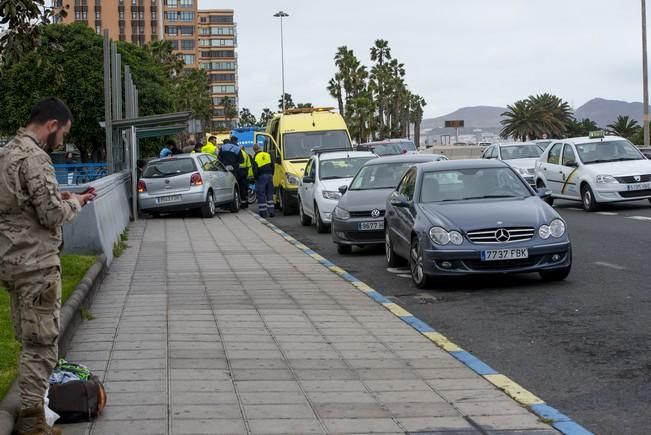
(35, 309)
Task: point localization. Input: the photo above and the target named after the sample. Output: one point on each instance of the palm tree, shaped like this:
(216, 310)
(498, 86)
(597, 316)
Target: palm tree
(380, 51)
(552, 112)
(230, 111)
(521, 121)
(416, 116)
(334, 87)
(163, 53)
(624, 126)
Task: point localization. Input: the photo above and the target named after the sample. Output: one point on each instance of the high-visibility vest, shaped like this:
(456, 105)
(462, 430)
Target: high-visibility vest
(247, 163)
(209, 148)
(262, 159)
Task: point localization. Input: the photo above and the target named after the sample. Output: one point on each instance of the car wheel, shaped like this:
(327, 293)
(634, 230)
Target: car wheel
(344, 249)
(587, 198)
(540, 185)
(321, 227)
(284, 199)
(555, 275)
(251, 196)
(208, 209)
(277, 200)
(306, 221)
(416, 265)
(393, 260)
(235, 204)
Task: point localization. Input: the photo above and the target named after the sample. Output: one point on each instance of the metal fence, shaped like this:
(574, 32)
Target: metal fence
(79, 173)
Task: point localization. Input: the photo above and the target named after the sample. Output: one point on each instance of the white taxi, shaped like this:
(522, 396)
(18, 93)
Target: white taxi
(594, 170)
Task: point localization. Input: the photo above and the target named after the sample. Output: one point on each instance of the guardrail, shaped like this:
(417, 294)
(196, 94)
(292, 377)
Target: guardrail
(80, 173)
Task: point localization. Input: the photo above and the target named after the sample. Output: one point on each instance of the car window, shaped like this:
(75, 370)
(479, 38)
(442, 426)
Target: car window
(341, 168)
(308, 168)
(379, 176)
(486, 153)
(408, 185)
(471, 184)
(205, 163)
(299, 145)
(513, 152)
(608, 151)
(217, 166)
(554, 154)
(568, 155)
(169, 168)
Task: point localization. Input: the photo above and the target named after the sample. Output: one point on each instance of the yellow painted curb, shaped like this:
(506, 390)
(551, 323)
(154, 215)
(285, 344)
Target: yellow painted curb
(514, 390)
(397, 309)
(442, 341)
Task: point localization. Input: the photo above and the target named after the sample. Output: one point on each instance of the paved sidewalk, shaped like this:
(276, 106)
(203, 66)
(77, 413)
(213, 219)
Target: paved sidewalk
(222, 327)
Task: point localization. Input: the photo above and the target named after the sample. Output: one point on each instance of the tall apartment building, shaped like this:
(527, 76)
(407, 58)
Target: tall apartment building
(203, 38)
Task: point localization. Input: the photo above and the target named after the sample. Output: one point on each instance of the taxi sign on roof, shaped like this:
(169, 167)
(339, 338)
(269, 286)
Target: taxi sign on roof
(596, 134)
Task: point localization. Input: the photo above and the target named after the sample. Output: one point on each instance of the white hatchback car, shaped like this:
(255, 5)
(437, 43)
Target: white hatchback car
(318, 190)
(521, 156)
(594, 170)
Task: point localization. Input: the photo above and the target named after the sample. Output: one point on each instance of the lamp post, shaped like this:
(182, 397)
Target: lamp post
(281, 15)
(645, 77)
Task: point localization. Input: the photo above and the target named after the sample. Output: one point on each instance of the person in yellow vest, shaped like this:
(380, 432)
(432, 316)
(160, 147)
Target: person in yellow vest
(263, 171)
(210, 147)
(245, 173)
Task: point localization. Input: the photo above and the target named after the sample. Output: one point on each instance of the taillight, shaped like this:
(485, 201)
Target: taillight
(142, 187)
(196, 180)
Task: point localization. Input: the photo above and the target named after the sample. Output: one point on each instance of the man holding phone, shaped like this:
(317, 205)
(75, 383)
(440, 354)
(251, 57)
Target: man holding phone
(32, 214)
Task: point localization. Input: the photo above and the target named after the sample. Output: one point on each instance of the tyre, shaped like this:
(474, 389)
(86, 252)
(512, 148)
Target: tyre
(208, 209)
(549, 200)
(393, 260)
(306, 221)
(277, 200)
(235, 204)
(555, 275)
(251, 196)
(416, 265)
(587, 198)
(344, 249)
(321, 227)
(284, 199)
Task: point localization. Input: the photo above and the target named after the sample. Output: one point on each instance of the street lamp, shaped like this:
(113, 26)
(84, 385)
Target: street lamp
(645, 77)
(281, 15)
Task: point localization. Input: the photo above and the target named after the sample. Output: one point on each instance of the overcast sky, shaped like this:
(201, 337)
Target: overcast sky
(456, 52)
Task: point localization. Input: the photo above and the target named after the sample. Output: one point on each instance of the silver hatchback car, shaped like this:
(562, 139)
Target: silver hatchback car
(187, 182)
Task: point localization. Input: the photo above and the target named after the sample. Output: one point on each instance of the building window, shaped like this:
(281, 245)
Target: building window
(221, 18)
(174, 43)
(216, 42)
(217, 30)
(220, 66)
(98, 16)
(217, 53)
(187, 44)
(170, 3)
(223, 89)
(121, 15)
(217, 101)
(186, 30)
(98, 29)
(188, 59)
(179, 16)
(186, 4)
(221, 77)
(170, 30)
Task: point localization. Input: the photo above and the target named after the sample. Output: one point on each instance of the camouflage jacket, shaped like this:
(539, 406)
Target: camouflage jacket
(32, 212)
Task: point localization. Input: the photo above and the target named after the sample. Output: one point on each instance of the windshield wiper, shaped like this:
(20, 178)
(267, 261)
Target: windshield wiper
(332, 178)
(490, 196)
(621, 159)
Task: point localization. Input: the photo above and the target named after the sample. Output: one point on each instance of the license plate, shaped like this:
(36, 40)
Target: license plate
(370, 226)
(166, 199)
(640, 186)
(504, 254)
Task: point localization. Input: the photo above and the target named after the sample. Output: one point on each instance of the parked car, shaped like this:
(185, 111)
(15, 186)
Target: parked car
(187, 182)
(389, 147)
(470, 217)
(595, 170)
(521, 156)
(358, 219)
(318, 189)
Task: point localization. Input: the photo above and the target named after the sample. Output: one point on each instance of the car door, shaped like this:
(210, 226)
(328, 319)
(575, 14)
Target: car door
(269, 144)
(403, 218)
(208, 173)
(223, 182)
(307, 187)
(569, 169)
(551, 169)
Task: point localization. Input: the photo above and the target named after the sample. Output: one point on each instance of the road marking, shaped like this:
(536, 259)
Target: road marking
(611, 265)
(639, 218)
(607, 213)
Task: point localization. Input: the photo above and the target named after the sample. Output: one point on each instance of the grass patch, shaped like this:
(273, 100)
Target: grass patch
(120, 245)
(74, 268)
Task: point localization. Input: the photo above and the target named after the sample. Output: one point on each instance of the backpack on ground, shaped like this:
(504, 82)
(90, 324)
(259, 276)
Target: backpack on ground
(81, 396)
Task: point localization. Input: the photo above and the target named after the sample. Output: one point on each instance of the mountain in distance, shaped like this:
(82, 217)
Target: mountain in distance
(600, 110)
(605, 112)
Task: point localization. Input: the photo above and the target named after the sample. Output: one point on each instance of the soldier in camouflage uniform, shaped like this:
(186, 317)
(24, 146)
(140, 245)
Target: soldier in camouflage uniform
(32, 214)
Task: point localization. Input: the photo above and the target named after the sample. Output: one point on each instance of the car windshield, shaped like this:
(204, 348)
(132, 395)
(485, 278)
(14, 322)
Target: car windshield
(341, 168)
(169, 168)
(512, 152)
(300, 145)
(608, 151)
(469, 184)
(382, 176)
(386, 149)
(406, 146)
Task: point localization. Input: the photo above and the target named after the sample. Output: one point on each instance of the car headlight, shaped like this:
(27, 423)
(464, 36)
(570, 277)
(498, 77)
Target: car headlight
(292, 179)
(557, 228)
(340, 213)
(331, 194)
(606, 179)
(441, 236)
(544, 232)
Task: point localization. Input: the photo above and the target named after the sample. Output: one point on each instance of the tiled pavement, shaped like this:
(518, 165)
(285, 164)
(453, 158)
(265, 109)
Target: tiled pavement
(221, 327)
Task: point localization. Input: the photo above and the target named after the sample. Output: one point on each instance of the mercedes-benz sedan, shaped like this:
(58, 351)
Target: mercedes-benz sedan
(469, 217)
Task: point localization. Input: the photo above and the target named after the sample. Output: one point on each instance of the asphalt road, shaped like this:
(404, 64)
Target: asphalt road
(583, 345)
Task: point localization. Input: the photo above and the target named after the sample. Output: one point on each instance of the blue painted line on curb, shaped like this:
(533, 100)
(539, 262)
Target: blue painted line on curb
(560, 421)
(418, 324)
(474, 363)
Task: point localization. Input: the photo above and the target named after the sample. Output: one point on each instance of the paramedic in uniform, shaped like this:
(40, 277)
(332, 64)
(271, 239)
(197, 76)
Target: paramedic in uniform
(32, 214)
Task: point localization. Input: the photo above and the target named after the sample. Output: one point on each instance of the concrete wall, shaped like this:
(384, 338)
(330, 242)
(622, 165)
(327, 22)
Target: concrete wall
(457, 152)
(101, 221)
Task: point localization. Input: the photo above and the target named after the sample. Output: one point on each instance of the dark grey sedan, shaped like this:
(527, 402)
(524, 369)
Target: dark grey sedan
(358, 218)
(468, 217)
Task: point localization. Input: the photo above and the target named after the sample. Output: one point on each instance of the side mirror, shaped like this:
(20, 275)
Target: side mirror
(571, 164)
(308, 179)
(343, 189)
(399, 201)
(544, 192)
